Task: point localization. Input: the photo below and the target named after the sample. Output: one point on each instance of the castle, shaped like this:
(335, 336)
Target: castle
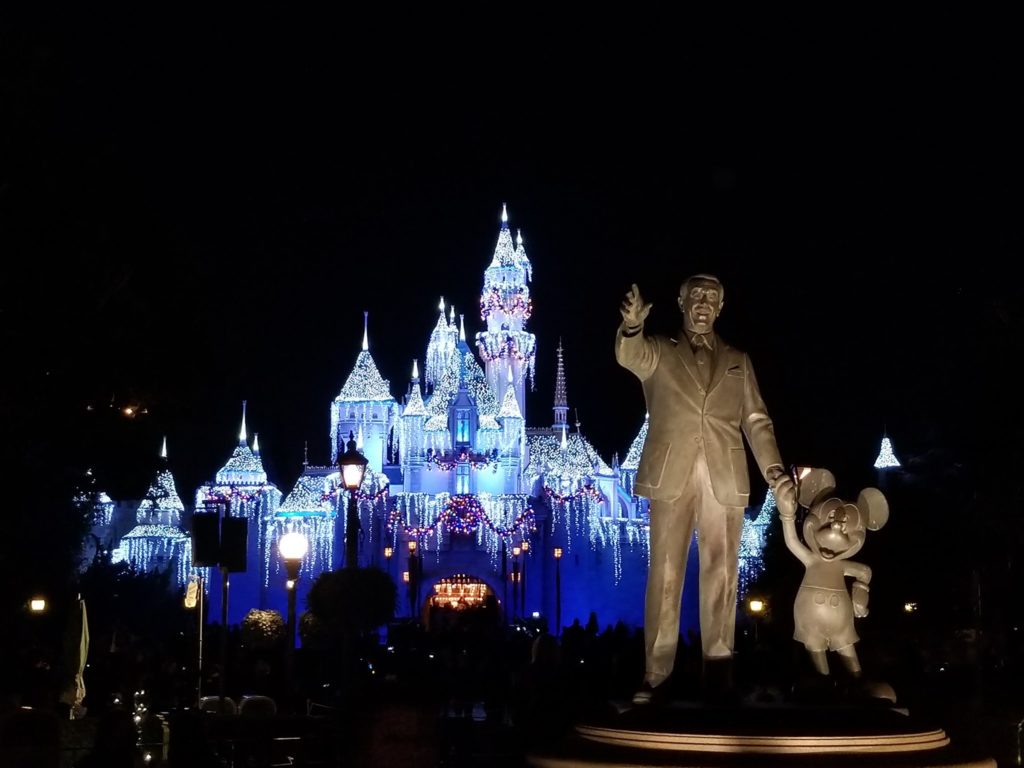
(460, 500)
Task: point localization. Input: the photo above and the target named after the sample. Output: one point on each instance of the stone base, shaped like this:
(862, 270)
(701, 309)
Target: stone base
(683, 734)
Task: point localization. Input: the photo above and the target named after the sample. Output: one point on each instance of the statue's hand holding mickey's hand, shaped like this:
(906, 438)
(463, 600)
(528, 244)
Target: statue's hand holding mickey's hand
(785, 497)
(634, 309)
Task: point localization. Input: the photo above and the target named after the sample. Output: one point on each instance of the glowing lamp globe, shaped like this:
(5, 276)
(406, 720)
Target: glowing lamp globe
(293, 546)
(353, 465)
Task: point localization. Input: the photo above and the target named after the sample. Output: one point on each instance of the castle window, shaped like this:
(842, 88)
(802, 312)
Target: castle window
(462, 426)
(462, 478)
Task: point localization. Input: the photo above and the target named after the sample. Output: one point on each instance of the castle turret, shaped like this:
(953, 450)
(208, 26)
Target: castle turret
(561, 407)
(505, 306)
(440, 348)
(365, 402)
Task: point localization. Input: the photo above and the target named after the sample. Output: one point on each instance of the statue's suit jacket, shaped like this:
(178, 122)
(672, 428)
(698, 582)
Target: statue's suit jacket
(684, 414)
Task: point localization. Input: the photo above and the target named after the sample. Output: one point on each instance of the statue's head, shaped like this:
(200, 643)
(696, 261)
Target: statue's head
(700, 300)
(835, 529)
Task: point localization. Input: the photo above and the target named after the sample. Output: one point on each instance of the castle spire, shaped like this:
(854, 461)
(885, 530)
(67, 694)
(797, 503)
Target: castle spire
(462, 327)
(163, 449)
(366, 338)
(305, 453)
(504, 217)
(256, 443)
(561, 406)
(415, 371)
(242, 436)
(441, 305)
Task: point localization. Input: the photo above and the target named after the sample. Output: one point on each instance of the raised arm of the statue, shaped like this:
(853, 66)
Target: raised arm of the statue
(633, 350)
(786, 502)
(793, 543)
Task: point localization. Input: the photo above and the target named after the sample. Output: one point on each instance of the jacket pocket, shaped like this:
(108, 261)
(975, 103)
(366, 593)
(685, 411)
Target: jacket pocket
(652, 463)
(740, 476)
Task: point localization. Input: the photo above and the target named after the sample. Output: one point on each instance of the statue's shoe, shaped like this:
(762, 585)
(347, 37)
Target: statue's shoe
(649, 694)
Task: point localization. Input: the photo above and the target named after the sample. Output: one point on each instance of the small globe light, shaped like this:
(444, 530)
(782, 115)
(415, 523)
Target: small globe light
(293, 546)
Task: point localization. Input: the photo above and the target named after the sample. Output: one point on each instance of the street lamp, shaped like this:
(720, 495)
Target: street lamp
(757, 607)
(388, 552)
(414, 579)
(558, 591)
(293, 547)
(353, 466)
(37, 605)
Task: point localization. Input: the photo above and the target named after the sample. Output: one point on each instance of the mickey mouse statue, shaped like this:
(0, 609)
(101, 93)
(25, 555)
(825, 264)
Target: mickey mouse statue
(834, 530)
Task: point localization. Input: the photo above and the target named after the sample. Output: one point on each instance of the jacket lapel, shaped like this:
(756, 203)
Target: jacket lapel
(689, 362)
(721, 363)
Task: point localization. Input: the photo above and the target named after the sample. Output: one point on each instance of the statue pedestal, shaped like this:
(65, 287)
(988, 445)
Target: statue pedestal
(682, 734)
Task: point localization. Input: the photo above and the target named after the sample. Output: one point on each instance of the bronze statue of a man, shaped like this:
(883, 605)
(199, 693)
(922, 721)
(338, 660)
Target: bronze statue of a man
(703, 399)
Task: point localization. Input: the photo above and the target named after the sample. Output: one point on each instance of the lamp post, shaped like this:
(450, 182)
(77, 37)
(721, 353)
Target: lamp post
(558, 591)
(757, 607)
(293, 547)
(522, 579)
(414, 579)
(515, 582)
(353, 466)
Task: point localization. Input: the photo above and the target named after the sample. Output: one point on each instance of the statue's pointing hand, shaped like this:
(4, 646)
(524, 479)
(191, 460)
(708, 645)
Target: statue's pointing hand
(634, 310)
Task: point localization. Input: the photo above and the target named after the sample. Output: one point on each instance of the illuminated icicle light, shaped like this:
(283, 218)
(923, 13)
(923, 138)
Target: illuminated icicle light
(636, 448)
(364, 383)
(886, 458)
(243, 468)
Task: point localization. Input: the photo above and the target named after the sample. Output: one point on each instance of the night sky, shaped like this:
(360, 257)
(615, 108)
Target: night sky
(197, 210)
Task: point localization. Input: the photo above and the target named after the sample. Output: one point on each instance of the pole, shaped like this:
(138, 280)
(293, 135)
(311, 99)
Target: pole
(352, 533)
(202, 623)
(558, 597)
(223, 633)
(504, 579)
(522, 588)
(515, 588)
(290, 660)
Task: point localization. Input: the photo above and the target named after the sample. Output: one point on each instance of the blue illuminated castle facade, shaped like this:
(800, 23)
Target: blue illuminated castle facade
(454, 472)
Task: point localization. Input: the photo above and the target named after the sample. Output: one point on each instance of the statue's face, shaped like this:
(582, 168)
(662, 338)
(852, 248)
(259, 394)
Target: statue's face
(700, 305)
(837, 530)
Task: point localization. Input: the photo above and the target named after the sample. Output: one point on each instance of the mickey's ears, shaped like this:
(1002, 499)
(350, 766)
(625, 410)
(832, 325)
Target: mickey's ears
(873, 507)
(814, 485)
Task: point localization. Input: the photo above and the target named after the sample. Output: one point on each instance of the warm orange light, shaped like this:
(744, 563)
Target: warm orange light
(129, 411)
(388, 552)
(412, 547)
(405, 576)
(37, 604)
(756, 606)
(516, 551)
(558, 553)
(526, 546)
